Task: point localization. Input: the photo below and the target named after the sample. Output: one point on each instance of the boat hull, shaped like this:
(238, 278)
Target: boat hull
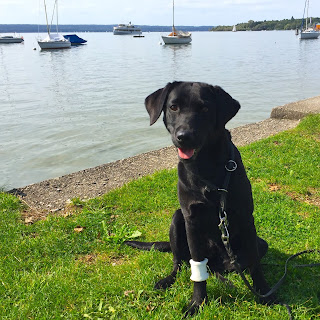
(10, 40)
(126, 32)
(176, 40)
(125, 29)
(54, 44)
(309, 34)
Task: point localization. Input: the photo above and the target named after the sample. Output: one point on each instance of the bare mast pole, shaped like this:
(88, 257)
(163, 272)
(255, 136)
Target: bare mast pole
(45, 9)
(173, 14)
(57, 16)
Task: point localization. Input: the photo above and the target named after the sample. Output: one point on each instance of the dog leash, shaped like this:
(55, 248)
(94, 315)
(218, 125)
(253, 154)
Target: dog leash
(223, 226)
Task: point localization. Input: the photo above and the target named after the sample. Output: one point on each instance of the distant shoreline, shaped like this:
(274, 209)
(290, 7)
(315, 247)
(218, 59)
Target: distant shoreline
(34, 28)
(251, 25)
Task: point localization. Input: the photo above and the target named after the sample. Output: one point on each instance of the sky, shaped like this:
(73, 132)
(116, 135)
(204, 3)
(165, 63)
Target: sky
(155, 12)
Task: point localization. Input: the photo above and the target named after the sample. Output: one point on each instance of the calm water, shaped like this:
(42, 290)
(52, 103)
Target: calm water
(63, 111)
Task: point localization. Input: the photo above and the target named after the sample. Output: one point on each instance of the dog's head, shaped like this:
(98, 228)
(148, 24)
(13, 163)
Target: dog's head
(193, 113)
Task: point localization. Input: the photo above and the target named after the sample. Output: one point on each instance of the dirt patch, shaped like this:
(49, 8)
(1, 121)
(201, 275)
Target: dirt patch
(88, 259)
(309, 198)
(274, 187)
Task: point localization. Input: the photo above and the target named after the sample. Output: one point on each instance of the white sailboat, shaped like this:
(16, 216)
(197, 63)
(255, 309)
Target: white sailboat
(234, 29)
(53, 40)
(176, 37)
(308, 32)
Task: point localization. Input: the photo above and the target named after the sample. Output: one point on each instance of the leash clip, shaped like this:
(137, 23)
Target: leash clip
(223, 228)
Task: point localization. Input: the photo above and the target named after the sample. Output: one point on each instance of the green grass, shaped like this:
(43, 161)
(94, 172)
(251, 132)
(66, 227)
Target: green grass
(75, 267)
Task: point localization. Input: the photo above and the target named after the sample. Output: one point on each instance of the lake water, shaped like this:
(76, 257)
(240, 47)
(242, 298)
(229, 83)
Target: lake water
(63, 111)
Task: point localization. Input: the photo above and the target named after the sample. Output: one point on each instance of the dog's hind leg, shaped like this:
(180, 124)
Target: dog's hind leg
(179, 247)
(262, 247)
(256, 248)
(260, 284)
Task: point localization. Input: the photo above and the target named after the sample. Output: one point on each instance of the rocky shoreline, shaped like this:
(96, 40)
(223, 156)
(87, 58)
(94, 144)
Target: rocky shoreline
(52, 196)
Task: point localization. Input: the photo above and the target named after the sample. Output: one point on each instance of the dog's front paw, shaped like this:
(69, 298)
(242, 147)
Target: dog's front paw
(165, 283)
(194, 307)
(199, 298)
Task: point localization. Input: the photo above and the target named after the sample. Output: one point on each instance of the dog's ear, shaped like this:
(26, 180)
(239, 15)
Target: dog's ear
(227, 106)
(155, 102)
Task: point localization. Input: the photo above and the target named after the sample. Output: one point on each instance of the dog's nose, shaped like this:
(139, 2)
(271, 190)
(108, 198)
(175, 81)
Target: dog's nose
(184, 136)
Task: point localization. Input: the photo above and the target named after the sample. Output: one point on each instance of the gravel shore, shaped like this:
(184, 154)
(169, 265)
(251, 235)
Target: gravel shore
(52, 196)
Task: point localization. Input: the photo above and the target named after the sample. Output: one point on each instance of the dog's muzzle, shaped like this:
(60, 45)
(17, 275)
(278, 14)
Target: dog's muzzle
(184, 143)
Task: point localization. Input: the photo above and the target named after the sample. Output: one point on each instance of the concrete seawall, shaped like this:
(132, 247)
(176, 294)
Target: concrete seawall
(52, 195)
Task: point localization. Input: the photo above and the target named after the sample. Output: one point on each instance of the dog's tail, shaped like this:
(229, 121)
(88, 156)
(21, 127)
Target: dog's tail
(159, 246)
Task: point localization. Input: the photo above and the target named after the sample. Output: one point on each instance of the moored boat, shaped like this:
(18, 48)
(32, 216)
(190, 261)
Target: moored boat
(176, 36)
(308, 32)
(53, 41)
(74, 39)
(11, 39)
(123, 29)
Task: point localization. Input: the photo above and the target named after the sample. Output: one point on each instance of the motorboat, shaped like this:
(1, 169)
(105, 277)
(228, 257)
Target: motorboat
(11, 39)
(74, 39)
(123, 29)
(176, 37)
(56, 40)
(308, 32)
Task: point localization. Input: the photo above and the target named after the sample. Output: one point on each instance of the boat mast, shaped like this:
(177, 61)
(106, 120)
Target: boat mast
(307, 14)
(304, 11)
(57, 15)
(45, 9)
(173, 14)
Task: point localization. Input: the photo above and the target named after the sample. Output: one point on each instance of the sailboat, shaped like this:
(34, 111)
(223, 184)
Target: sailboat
(308, 32)
(176, 37)
(234, 29)
(53, 40)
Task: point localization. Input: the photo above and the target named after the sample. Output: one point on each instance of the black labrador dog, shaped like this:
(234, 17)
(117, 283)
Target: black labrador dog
(195, 115)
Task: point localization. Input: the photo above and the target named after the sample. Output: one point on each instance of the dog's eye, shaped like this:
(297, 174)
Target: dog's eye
(174, 108)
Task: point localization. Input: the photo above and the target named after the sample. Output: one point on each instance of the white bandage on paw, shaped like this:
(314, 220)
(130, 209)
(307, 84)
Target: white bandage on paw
(199, 270)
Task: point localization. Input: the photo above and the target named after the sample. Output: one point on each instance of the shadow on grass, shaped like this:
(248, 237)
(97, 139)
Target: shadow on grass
(301, 285)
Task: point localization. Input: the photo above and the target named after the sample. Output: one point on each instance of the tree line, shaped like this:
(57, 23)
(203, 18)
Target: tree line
(285, 24)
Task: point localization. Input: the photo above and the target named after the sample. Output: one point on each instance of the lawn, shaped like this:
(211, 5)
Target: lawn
(75, 266)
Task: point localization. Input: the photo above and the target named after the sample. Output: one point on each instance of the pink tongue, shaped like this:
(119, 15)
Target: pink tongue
(185, 153)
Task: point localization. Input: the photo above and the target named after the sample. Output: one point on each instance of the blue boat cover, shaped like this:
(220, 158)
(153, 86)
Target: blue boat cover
(74, 39)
